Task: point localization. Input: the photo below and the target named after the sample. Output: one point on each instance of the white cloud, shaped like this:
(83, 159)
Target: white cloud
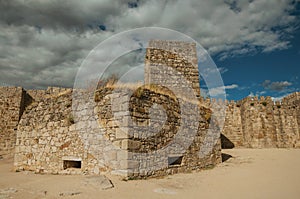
(257, 93)
(251, 94)
(279, 98)
(221, 90)
(43, 42)
(232, 86)
(276, 86)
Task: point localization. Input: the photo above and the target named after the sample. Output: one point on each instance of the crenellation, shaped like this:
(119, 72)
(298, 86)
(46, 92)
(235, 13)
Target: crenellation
(261, 122)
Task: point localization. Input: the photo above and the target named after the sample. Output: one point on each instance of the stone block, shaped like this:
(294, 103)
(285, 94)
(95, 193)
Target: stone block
(131, 144)
(122, 133)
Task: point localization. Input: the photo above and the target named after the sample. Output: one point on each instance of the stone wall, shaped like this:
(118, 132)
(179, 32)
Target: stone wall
(172, 68)
(13, 101)
(49, 135)
(48, 139)
(173, 64)
(160, 128)
(261, 123)
(153, 130)
(147, 129)
(38, 95)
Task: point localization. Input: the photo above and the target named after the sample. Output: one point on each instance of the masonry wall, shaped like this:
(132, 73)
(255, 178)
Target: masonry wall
(166, 140)
(38, 95)
(261, 123)
(12, 104)
(173, 64)
(125, 131)
(145, 127)
(233, 130)
(47, 136)
(160, 128)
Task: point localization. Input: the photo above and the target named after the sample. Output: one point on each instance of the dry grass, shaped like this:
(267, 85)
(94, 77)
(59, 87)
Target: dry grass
(139, 87)
(63, 93)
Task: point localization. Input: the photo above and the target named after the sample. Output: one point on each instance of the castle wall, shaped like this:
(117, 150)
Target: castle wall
(289, 112)
(233, 125)
(158, 129)
(12, 104)
(47, 137)
(173, 64)
(261, 123)
(134, 133)
(145, 134)
(38, 95)
(258, 122)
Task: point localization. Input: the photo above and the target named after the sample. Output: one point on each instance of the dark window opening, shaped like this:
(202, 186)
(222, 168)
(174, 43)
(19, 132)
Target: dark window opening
(72, 164)
(175, 160)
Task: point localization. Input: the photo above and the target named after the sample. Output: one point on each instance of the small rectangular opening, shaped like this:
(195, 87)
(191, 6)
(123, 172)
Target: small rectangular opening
(175, 160)
(72, 164)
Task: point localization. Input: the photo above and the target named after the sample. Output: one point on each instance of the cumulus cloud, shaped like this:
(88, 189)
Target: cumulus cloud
(276, 86)
(44, 42)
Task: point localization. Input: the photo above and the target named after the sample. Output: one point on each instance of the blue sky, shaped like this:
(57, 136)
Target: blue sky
(250, 72)
(255, 43)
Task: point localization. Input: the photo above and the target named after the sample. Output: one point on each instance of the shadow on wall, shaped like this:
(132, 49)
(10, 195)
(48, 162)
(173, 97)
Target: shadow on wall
(226, 143)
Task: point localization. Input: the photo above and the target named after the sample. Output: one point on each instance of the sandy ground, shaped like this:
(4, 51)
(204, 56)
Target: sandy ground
(250, 173)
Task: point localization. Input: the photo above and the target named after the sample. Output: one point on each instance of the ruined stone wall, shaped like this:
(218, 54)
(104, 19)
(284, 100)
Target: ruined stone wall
(173, 64)
(12, 103)
(165, 138)
(261, 123)
(233, 125)
(146, 128)
(258, 122)
(38, 95)
(160, 128)
(131, 132)
(287, 121)
(47, 138)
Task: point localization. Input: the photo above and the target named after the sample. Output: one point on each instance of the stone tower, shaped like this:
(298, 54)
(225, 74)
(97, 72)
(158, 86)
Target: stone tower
(168, 59)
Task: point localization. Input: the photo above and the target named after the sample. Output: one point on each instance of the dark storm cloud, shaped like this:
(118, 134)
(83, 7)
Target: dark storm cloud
(55, 14)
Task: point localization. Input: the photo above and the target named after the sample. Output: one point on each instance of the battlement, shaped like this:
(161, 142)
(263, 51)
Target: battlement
(260, 122)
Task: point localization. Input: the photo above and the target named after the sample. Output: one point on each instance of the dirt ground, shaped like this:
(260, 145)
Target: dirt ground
(249, 173)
